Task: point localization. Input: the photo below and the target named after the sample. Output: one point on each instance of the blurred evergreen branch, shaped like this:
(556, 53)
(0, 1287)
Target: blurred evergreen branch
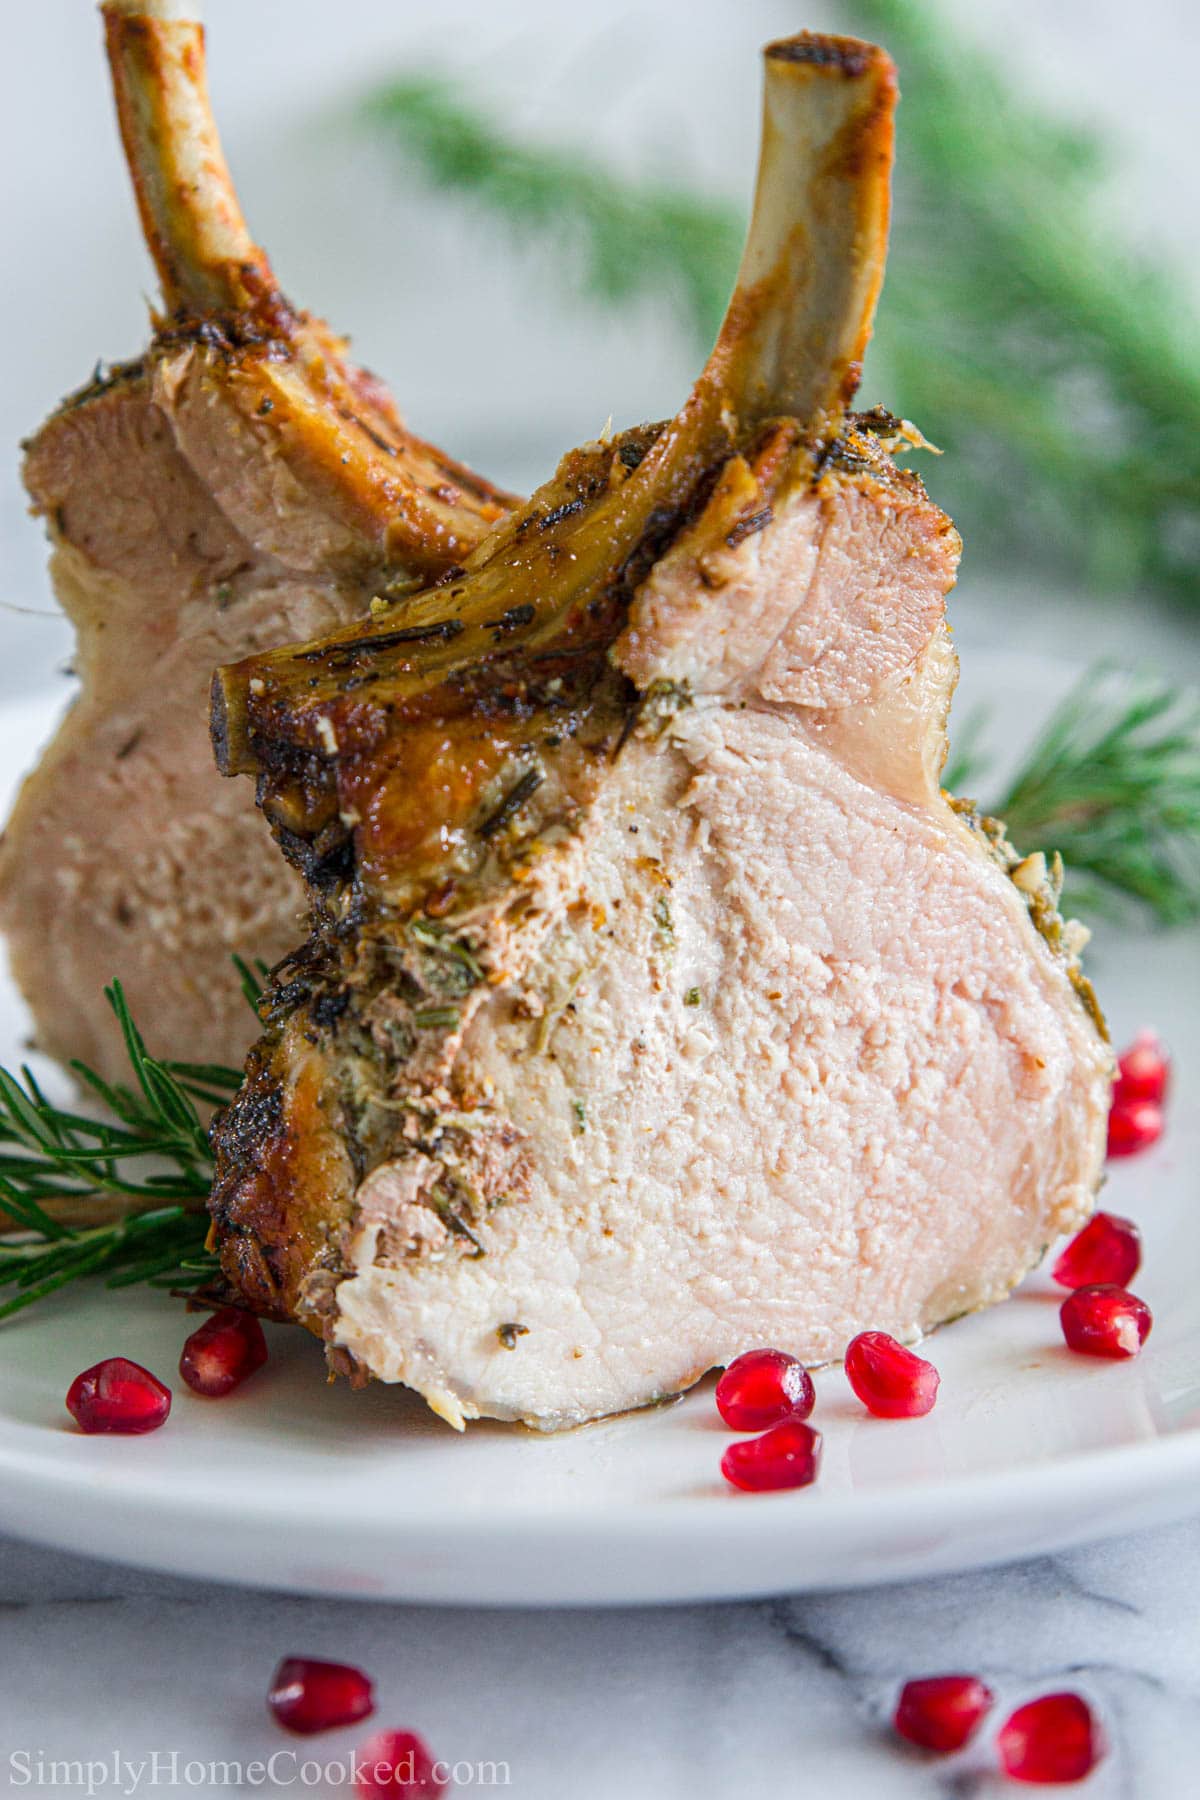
(617, 239)
(1061, 374)
(1063, 377)
(1113, 783)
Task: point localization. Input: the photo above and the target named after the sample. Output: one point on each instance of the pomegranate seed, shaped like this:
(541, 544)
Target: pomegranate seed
(788, 1456)
(1134, 1125)
(396, 1765)
(222, 1352)
(763, 1388)
(308, 1695)
(941, 1712)
(889, 1380)
(1107, 1252)
(118, 1395)
(1144, 1072)
(1105, 1321)
(1051, 1741)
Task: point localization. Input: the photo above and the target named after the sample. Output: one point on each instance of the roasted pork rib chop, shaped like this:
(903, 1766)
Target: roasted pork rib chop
(658, 1003)
(239, 486)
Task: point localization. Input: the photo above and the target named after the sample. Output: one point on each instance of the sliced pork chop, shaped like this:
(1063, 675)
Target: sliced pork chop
(238, 486)
(658, 1003)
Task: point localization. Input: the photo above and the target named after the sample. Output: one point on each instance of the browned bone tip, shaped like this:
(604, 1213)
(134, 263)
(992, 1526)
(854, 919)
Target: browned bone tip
(207, 261)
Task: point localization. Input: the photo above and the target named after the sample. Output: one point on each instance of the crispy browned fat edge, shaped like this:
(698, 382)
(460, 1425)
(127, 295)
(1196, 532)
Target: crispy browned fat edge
(791, 346)
(853, 56)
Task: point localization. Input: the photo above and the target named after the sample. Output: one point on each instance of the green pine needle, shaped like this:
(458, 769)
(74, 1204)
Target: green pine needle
(253, 977)
(143, 1247)
(1113, 783)
(154, 1158)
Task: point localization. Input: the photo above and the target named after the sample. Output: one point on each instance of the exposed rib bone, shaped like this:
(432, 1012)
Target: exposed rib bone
(206, 259)
(239, 485)
(797, 329)
(419, 510)
(790, 347)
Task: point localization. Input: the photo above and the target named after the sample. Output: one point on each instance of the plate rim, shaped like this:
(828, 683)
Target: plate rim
(84, 1506)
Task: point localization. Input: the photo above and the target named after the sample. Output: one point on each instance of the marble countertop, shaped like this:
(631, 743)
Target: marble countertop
(783, 1697)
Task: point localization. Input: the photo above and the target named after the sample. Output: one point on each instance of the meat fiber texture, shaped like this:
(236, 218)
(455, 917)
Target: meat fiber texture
(657, 1002)
(811, 1068)
(239, 486)
(771, 1048)
(182, 538)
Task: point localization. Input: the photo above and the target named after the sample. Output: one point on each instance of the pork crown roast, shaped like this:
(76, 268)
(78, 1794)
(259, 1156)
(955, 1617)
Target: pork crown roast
(238, 486)
(658, 1003)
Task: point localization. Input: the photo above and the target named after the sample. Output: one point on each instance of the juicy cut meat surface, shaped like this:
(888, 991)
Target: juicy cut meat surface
(877, 1113)
(126, 854)
(658, 1003)
(239, 486)
(770, 1046)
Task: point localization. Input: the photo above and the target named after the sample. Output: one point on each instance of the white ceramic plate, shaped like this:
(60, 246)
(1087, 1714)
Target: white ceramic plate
(296, 1484)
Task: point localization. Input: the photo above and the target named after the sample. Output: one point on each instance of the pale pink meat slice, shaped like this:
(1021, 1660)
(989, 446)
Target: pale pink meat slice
(238, 486)
(658, 1003)
(882, 1103)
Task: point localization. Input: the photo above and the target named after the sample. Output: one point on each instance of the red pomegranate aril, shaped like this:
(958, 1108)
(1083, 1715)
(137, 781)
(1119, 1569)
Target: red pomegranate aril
(787, 1456)
(119, 1396)
(1050, 1741)
(1107, 1252)
(222, 1352)
(396, 1765)
(1105, 1321)
(1143, 1072)
(308, 1695)
(942, 1712)
(891, 1381)
(1133, 1125)
(762, 1388)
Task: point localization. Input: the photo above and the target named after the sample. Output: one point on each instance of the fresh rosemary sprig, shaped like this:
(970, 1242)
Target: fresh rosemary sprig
(1063, 377)
(253, 976)
(1113, 783)
(162, 1247)
(154, 1161)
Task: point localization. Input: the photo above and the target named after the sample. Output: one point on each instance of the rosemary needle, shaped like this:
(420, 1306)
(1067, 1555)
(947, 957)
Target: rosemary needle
(1113, 783)
(152, 1156)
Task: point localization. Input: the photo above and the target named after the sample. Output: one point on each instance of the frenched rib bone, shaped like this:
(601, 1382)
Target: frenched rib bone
(238, 486)
(658, 1003)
